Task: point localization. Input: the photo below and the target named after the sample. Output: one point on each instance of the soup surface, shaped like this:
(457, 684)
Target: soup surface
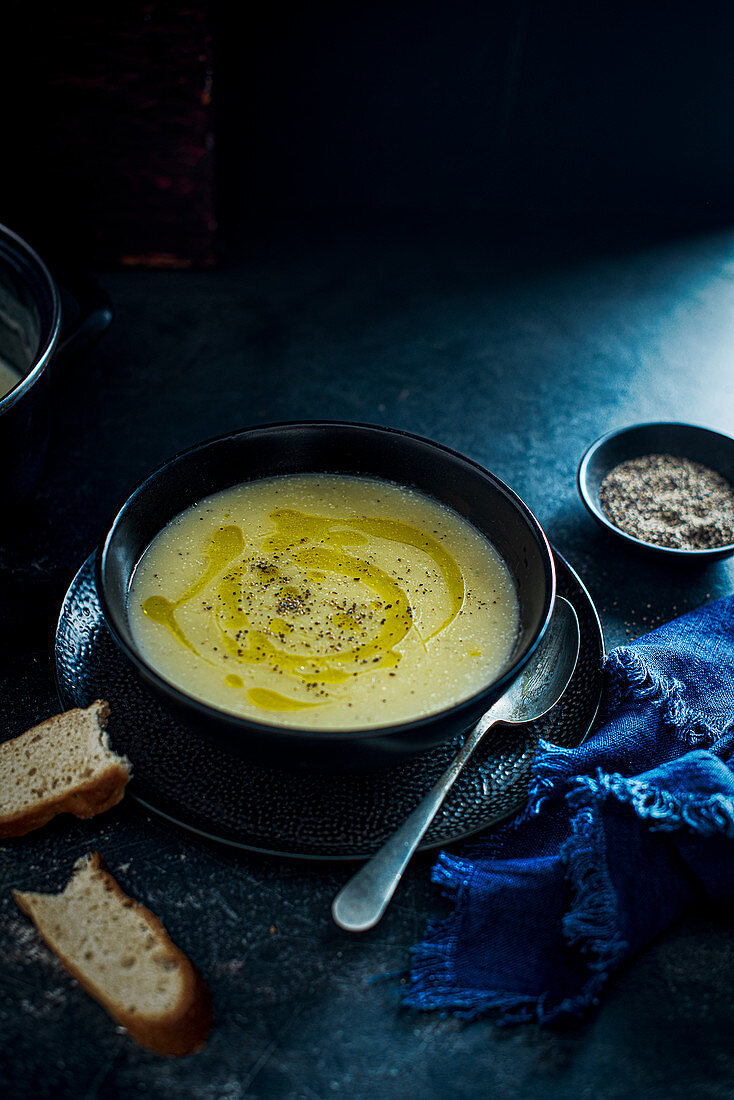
(9, 377)
(324, 601)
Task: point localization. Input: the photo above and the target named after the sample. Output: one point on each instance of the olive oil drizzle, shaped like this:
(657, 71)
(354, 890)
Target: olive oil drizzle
(314, 548)
(227, 543)
(452, 575)
(273, 700)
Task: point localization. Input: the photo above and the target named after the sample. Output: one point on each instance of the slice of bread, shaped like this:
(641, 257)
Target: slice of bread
(64, 765)
(122, 955)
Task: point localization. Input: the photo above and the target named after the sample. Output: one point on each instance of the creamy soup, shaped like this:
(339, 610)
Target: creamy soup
(324, 601)
(9, 377)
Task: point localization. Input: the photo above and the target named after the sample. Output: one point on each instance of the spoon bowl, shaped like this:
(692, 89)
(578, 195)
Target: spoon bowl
(546, 676)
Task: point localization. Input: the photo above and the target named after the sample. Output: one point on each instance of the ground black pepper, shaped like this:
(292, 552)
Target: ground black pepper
(669, 501)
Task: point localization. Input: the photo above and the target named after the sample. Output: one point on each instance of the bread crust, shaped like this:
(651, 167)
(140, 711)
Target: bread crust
(98, 794)
(186, 1028)
(93, 798)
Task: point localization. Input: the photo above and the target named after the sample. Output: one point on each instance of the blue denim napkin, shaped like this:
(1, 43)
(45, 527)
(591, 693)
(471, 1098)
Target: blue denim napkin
(619, 838)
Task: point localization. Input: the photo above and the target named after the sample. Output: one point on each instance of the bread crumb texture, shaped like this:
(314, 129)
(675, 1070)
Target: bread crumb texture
(63, 765)
(124, 958)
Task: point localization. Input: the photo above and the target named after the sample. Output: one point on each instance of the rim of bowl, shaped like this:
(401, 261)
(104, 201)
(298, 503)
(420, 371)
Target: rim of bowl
(45, 352)
(204, 709)
(590, 502)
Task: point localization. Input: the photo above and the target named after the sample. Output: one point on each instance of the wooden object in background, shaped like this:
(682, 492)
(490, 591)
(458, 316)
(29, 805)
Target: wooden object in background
(113, 111)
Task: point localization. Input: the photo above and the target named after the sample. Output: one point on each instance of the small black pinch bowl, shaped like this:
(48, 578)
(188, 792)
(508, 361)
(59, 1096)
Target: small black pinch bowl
(341, 448)
(710, 448)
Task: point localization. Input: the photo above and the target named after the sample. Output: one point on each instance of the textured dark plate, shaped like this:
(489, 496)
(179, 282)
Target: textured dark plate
(307, 814)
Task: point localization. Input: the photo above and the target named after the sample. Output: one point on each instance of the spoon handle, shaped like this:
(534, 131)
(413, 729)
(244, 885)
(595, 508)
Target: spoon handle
(362, 901)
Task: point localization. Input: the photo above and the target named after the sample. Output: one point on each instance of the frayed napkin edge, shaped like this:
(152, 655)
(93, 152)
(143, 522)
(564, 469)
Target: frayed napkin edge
(591, 924)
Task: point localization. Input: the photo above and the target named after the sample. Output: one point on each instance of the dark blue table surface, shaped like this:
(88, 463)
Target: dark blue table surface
(518, 355)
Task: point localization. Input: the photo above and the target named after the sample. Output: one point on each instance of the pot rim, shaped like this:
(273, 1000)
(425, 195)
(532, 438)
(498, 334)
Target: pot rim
(47, 347)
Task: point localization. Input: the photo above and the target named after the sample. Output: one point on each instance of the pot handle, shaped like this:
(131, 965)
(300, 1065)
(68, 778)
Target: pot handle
(86, 313)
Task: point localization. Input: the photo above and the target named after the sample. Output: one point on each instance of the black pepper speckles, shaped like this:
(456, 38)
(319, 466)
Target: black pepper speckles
(669, 501)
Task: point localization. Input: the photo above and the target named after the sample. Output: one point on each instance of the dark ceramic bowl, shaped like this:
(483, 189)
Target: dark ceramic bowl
(328, 447)
(712, 449)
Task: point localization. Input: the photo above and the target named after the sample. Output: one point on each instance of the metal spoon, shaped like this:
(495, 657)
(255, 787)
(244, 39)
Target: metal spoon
(362, 901)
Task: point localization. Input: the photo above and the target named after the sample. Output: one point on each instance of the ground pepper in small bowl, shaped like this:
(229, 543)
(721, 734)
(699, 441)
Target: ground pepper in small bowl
(670, 501)
(665, 488)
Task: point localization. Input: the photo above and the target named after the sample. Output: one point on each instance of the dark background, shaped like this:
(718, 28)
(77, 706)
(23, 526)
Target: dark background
(506, 111)
(525, 117)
